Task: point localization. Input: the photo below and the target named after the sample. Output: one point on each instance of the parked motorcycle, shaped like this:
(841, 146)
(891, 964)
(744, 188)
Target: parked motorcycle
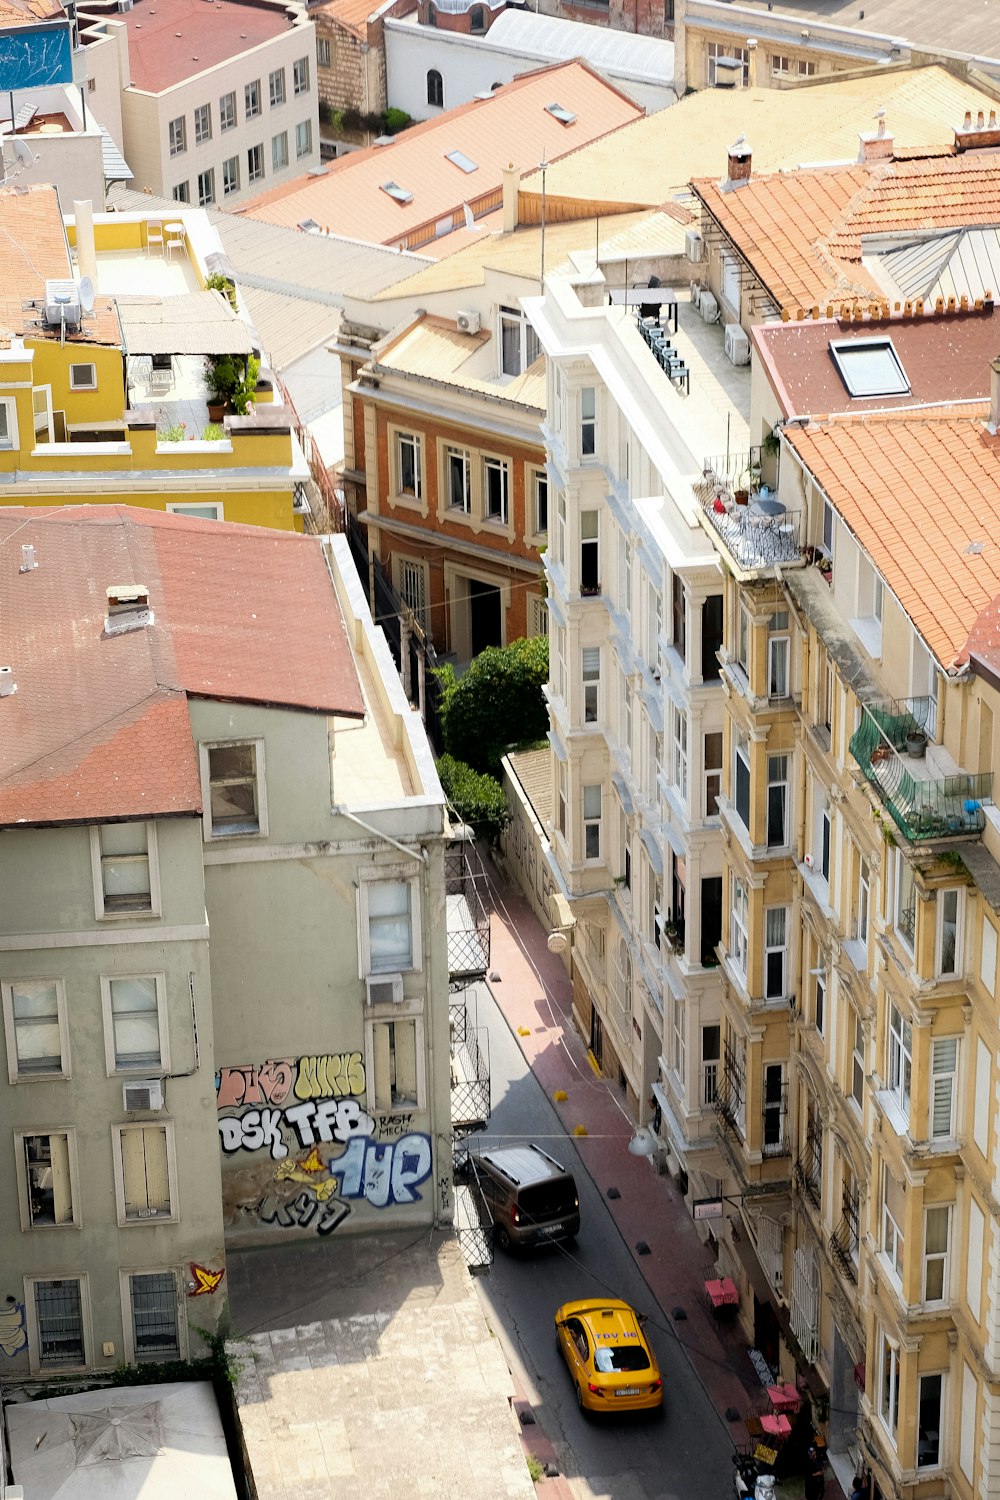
(749, 1482)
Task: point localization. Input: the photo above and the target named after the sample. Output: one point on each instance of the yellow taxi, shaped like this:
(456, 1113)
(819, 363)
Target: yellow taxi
(605, 1350)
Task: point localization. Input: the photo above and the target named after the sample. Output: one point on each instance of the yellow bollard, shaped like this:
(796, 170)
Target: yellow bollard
(560, 1096)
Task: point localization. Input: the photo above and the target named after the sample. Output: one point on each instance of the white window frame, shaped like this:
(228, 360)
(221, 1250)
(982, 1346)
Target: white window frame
(779, 649)
(177, 136)
(323, 52)
(409, 570)
(303, 139)
(771, 948)
(899, 1060)
(279, 151)
(738, 927)
(182, 192)
(819, 1004)
(202, 123)
(453, 453)
(15, 1071)
(300, 76)
(23, 1199)
(905, 881)
(942, 1444)
(134, 1070)
(588, 423)
(277, 93)
(893, 1238)
(88, 383)
(713, 774)
(383, 1017)
(196, 508)
(414, 441)
(591, 819)
(255, 162)
(97, 858)
(117, 1132)
(743, 638)
(392, 876)
(206, 187)
(937, 1257)
(210, 836)
(539, 481)
(590, 672)
(125, 1275)
(538, 615)
(679, 741)
(9, 441)
(774, 781)
(253, 103)
(493, 464)
(887, 1404)
(944, 1072)
(230, 180)
(513, 319)
(741, 756)
(864, 901)
(943, 897)
(227, 111)
(35, 1363)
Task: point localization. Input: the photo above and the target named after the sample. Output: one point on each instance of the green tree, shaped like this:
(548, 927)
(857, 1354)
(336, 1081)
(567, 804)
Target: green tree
(478, 799)
(497, 705)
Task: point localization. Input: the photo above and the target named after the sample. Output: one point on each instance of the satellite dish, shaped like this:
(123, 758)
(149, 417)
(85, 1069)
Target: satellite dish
(23, 154)
(86, 294)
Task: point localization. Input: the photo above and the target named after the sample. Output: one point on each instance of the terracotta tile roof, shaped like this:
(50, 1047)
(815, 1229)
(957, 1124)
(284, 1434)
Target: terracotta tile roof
(801, 231)
(172, 40)
(99, 725)
(33, 248)
(433, 348)
(353, 15)
(23, 12)
(513, 123)
(917, 492)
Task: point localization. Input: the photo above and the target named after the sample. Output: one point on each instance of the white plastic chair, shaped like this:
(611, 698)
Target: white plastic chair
(154, 235)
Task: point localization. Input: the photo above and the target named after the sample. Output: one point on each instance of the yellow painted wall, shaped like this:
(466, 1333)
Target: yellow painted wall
(51, 366)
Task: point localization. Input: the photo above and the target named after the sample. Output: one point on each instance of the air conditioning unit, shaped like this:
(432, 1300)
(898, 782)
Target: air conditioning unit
(468, 322)
(709, 308)
(62, 303)
(385, 989)
(697, 292)
(737, 345)
(124, 5)
(694, 246)
(144, 1093)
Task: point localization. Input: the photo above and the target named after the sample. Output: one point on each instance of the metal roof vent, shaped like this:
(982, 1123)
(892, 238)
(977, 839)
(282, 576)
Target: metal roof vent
(7, 684)
(28, 559)
(128, 608)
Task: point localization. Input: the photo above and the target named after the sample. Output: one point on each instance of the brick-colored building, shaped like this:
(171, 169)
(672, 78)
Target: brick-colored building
(350, 53)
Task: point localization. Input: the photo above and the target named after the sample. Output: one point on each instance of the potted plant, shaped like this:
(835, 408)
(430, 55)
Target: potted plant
(223, 375)
(246, 386)
(916, 744)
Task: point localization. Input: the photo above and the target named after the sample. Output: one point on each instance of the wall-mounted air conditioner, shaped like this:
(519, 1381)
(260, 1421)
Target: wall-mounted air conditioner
(694, 246)
(709, 308)
(697, 292)
(737, 345)
(468, 322)
(144, 1093)
(385, 989)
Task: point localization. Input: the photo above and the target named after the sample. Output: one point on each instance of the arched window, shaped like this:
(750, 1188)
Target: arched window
(477, 18)
(435, 88)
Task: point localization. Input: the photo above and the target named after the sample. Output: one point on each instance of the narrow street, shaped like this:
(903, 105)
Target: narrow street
(682, 1451)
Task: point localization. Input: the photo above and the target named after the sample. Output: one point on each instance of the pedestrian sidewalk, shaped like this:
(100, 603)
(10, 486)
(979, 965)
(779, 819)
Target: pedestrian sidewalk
(534, 993)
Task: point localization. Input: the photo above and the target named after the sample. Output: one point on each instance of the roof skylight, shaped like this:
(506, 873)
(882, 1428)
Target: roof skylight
(564, 116)
(461, 160)
(400, 194)
(870, 367)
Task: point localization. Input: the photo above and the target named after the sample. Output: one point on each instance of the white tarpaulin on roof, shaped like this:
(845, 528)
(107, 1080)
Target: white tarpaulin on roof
(195, 323)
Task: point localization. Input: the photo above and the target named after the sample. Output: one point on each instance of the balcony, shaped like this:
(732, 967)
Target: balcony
(844, 1243)
(775, 1141)
(729, 1095)
(808, 1172)
(468, 919)
(756, 529)
(926, 795)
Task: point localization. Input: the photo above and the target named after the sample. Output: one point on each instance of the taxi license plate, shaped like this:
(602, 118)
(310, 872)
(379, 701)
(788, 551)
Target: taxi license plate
(628, 1390)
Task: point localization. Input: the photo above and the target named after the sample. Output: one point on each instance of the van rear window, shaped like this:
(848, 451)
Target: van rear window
(549, 1200)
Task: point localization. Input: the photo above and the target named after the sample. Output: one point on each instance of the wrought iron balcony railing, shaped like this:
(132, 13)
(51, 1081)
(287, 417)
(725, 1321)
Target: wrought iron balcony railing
(774, 1139)
(729, 1094)
(757, 530)
(808, 1173)
(844, 1243)
(922, 806)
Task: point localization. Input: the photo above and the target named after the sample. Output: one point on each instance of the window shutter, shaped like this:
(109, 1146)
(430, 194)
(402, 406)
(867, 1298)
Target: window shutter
(944, 1063)
(154, 1140)
(383, 1071)
(591, 661)
(133, 1173)
(967, 1442)
(406, 1059)
(62, 1196)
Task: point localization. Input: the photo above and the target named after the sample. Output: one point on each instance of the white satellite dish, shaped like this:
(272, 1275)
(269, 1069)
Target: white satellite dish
(86, 294)
(23, 154)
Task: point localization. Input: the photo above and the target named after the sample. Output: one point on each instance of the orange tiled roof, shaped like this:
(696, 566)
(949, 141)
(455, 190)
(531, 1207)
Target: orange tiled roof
(801, 231)
(351, 14)
(513, 124)
(169, 43)
(23, 12)
(33, 248)
(99, 725)
(917, 492)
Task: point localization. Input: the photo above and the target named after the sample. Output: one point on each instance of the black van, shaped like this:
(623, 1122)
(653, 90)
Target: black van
(532, 1197)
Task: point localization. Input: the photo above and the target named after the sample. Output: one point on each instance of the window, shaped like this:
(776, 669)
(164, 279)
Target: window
(738, 927)
(202, 124)
(153, 1307)
(59, 1320)
(251, 99)
(300, 76)
(906, 901)
(411, 580)
(408, 475)
(83, 377)
(35, 1023)
(937, 1224)
(143, 1173)
(135, 1023)
(741, 776)
(279, 151)
(205, 510)
(949, 913)
(785, 67)
(712, 615)
(680, 738)
(711, 1041)
(459, 470)
(987, 955)
(591, 670)
(888, 1388)
(47, 1189)
(588, 421)
(396, 1064)
(625, 579)
(435, 88)
(590, 561)
(390, 926)
(775, 961)
(562, 775)
(819, 1004)
(124, 862)
(540, 485)
(743, 639)
(538, 615)
(477, 19)
(206, 187)
(519, 346)
(778, 651)
(559, 542)
(8, 423)
(870, 367)
(774, 1108)
(727, 75)
(495, 481)
(230, 176)
(713, 772)
(323, 51)
(824, 828)
(864, 901)
(227, 112)
(678, 615)
(303, 139)
(592, 822)
(233, 777)
(177, 136)
(929, 1422)
(777, 801)
(182, 192)
(900, 1059)
(858, 1063)
(944, 1086)
(893, 1218)
(828, 528)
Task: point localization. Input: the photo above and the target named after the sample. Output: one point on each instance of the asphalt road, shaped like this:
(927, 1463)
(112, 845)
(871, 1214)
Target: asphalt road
(681, 1453)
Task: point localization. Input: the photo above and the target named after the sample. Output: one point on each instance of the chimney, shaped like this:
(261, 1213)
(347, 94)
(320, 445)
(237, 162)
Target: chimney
(752, 66)
(28, 558)
(511, 186)
(86, 248)
(7, 684)
(983, 133)
(876, 145)
(128, 608)
(994, 421)
(738, 163)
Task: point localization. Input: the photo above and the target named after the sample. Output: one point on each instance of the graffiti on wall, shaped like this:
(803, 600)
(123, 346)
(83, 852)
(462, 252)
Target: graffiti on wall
(13, 1335)
(203, 1281)
(325, 1150)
